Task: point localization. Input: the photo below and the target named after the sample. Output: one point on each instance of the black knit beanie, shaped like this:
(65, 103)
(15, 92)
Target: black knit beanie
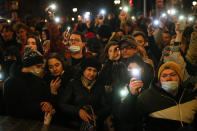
(90, 62)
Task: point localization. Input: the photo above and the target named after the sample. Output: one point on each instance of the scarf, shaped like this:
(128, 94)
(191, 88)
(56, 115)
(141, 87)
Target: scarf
(87, 83)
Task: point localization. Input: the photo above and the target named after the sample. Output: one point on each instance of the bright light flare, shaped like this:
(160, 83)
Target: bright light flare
(164, 15)
(53, 6)
(181, 17)
(126, 9)
(194, 3)
(124, 92)
(57, 19)
(133, 17)
(103, 12)
(191, 19)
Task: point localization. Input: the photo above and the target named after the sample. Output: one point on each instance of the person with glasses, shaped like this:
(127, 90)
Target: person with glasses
(128, 48)
(76, 49)
(148, 43)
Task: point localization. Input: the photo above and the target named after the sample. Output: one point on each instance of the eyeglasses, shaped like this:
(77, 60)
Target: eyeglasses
(127, 47)
(74, 40)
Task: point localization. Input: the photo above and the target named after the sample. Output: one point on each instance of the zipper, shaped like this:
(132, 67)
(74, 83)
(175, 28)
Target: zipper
(178, 104)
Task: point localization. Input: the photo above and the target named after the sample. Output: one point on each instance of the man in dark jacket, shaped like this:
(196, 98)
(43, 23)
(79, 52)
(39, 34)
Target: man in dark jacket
(166, 106)
(25, 92)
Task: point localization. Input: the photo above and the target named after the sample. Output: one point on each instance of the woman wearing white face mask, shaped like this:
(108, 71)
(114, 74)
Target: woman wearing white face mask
(165, 106)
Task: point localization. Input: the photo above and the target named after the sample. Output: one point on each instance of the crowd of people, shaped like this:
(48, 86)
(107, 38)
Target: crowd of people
(103, 73)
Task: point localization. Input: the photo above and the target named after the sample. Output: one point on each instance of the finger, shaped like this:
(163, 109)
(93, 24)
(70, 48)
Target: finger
(57, 79)
(88, 116)
(52, 81)
(133, 79)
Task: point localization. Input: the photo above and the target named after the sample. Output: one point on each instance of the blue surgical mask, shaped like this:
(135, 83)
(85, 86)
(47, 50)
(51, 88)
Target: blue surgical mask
(170, 86)
(74, 49)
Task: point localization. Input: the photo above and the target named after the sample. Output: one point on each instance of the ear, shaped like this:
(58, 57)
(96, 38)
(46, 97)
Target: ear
(83, 44)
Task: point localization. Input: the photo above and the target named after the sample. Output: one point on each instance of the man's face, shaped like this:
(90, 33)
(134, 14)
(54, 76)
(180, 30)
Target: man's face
(128, 50)
(7, 34)
(90, 73)
(166, 38)
(169, 75)
(76, 41)
(22, 33)
(140, 40)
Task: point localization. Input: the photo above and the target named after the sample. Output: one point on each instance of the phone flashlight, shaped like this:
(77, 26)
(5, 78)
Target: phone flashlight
(124, 92)
(68, 28)
(194, 3)
(191, 19)
(53, 6)
(156, 23)
(57, 19)
(87, 15)
(102, 12)
(135, 73)
(181, 17)
(164, 15)
(126, 9)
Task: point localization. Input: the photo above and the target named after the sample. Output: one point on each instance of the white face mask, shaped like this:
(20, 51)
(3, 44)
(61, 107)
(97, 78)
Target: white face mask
(170, 86)
(37, 72)
(74, 49)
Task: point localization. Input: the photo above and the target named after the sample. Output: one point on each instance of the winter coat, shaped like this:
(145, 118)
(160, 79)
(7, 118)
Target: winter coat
(57, 118)
(76, 96)
(191, 55)
(23, 93)
(159, 110)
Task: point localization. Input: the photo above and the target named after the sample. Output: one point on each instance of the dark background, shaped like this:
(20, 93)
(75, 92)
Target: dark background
(36, 7)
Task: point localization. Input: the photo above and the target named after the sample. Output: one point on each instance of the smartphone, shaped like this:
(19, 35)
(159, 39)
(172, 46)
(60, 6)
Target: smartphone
(182, 24)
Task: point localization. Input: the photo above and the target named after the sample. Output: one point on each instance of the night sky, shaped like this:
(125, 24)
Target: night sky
(36, 7)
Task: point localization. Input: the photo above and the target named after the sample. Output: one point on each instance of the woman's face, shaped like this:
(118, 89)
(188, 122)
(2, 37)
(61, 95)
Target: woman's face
(132, 66)
(114, 52)
(31, 42)
(55, 67)
(90, 73)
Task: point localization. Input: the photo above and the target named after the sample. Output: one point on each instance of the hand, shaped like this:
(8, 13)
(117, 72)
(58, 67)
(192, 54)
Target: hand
(54, 85)
(195, 27)
(150, 30)
(50, 14)
(47, 107)
(84, 115)
(135, 86)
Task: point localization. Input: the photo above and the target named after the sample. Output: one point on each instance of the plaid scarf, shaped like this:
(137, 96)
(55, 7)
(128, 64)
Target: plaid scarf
(87, 83)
